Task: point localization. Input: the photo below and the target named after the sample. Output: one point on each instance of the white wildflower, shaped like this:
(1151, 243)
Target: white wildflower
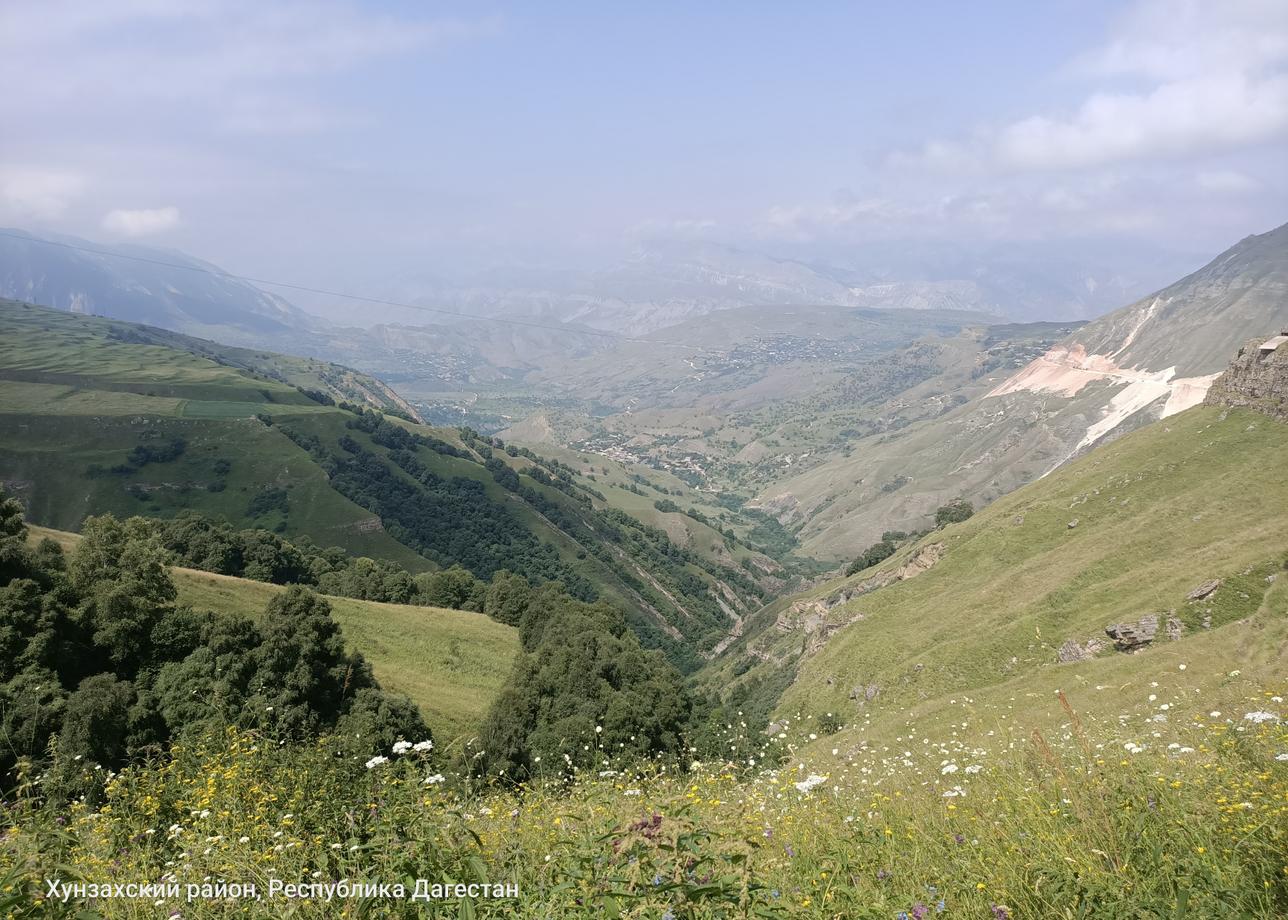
(376, 761)
(809, 783)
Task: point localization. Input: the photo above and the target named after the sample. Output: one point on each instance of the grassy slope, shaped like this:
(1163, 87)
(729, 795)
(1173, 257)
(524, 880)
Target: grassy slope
(72, 395)
(1197, 496)
(78, 393)
(451, 663)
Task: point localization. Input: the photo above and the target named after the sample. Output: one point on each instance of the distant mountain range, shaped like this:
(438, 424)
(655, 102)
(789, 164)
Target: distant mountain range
(661, 285)
(666, 283)
(1145, 361)
(860, 443)
(164, 288)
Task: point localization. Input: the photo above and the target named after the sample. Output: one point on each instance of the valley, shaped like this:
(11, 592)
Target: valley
(791, 556)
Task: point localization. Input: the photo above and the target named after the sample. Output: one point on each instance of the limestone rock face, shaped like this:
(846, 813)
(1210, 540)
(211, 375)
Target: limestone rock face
(1073, 650)
(1257, 379)
(1132, 637)
(1204, 590)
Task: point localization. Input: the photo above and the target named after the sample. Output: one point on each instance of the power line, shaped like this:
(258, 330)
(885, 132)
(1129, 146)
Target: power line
(304, 288)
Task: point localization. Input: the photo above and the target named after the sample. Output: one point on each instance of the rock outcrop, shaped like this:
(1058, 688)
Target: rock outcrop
(1257, 379)
(1073, 650)
(1132, 637)
(818, 619)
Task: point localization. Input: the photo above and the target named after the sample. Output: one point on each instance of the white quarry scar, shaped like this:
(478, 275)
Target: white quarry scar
(1066, 369)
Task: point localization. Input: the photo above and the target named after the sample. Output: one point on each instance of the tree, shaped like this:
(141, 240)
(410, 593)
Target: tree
(454, 588)
(301, 670)
(583, 682)
(877, 552)
(956, 511)
(507, 598)
(95, 654)
(96, 721)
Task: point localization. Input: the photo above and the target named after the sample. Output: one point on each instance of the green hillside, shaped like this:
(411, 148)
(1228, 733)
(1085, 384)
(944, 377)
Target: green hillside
(1129, 530)
(451, 663)
(1145, 361)
(102, 416)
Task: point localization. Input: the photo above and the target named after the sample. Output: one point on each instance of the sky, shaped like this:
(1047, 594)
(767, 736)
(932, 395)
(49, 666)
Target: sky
(342, 143)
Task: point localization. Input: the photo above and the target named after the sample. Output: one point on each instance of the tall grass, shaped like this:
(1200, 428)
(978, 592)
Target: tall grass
(1180, 818)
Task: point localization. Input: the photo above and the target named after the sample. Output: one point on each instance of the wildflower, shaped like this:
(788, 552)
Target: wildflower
(376, 761)
(1000, 912)
(435, 779)
(423, 747)
(402, 747)
(1260, 716)
(809, 783)
(919, 911)
(1281, 757)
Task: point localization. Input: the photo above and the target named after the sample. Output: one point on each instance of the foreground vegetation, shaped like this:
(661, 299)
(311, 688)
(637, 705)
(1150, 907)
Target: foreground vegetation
(1181, 819)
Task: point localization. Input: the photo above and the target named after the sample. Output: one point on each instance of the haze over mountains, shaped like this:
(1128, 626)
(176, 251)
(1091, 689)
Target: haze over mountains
(844, 401)
(1145, 361)
(841, 404)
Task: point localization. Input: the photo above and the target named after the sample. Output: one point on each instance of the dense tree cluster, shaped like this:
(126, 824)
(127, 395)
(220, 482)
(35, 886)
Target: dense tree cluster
(99, 663)
(454, 520)
(877, 552)
(956, 511)
(582, 686)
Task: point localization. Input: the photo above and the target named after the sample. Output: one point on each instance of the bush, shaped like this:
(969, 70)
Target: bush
(954, 512)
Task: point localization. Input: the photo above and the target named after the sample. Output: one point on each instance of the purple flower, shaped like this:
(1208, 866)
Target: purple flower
(882, 875)
(790, 851)
(919, 911)
(959, 839)
(1001, 913)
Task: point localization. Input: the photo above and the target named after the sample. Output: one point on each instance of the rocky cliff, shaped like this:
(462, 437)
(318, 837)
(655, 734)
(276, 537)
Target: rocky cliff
(1256, 379)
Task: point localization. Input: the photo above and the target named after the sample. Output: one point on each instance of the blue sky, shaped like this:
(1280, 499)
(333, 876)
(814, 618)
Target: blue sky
(342, 142)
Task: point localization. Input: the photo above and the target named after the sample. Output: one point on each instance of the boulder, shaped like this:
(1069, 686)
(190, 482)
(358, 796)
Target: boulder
(1132, 637)
(1204, 590)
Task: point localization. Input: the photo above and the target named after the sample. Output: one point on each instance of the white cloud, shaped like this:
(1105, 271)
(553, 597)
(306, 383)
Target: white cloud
(239, 64)
(142, 221)
(36, 193)
(1202, 77)
(1200, 115)
(1167, 40)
